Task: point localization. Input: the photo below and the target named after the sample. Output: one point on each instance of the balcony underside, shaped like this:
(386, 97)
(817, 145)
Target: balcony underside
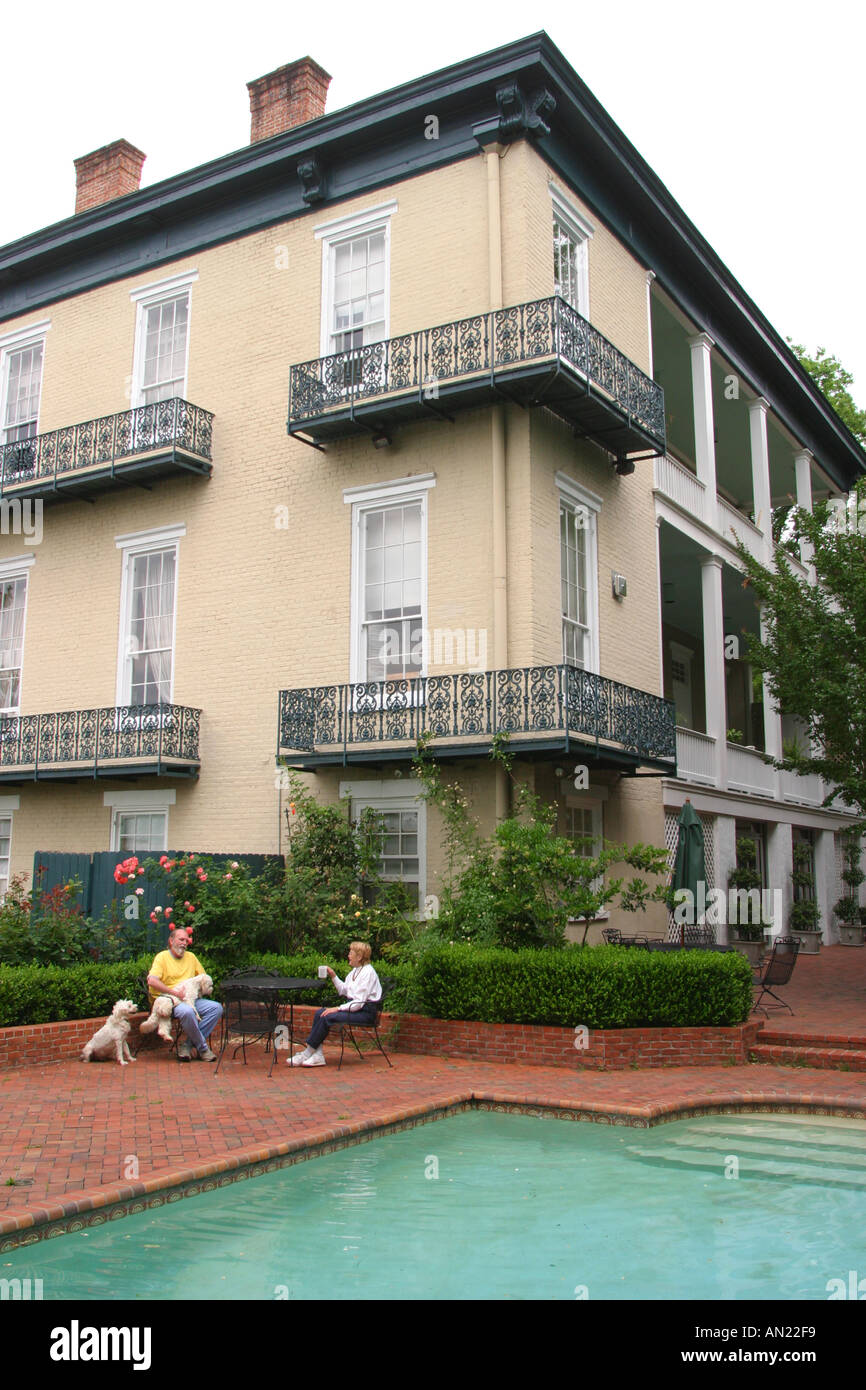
(85, 485)
(556, 748)
(89, 772)
(551, 383)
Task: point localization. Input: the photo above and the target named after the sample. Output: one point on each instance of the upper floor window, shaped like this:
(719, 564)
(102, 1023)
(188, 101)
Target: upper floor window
(148, 602)
(578, 575)
(21, 357)
(389, 585)
(571, 234)
(355, 279)
(13, 607)
(162, 340)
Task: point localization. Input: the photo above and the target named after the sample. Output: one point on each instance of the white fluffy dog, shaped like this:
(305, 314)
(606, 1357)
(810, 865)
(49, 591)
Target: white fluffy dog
(163, 1006)
(110, 1041)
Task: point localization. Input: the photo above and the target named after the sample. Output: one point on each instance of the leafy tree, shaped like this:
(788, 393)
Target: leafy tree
(833, 380)
(814, 653)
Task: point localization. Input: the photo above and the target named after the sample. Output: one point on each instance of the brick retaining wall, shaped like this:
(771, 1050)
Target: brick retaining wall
(615, 1049)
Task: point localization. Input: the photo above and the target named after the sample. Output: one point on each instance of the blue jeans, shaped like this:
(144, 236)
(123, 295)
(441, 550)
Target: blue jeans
(210, 1013)
(322, 1026)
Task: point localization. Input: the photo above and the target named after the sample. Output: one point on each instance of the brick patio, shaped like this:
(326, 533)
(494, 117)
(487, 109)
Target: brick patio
(76, 1138)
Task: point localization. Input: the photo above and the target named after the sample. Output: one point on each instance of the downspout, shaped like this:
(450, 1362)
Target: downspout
(498, 454)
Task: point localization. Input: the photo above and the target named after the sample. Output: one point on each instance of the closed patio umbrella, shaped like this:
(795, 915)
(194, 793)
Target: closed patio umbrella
(690, 865)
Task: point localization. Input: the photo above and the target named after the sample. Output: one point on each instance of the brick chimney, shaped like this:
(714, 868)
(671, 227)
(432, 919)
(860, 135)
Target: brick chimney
(111, 172)
(287, 97)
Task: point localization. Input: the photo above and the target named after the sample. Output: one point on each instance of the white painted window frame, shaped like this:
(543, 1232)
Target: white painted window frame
(146, 297)
(333, 233)
(17, 341)
(136, 803)
(582, 231)
(404, 794)
(574, 496)
(131, 546)
(586, 801)
(366, 499)
(16, 567)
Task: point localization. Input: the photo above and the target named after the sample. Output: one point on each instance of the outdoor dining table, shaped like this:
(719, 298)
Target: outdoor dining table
(259, 1022)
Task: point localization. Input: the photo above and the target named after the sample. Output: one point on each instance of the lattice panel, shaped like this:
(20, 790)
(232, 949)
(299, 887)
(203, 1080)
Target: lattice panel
(672, 831)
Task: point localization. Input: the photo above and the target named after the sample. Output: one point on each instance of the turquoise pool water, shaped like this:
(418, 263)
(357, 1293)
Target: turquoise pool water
(503, 1206)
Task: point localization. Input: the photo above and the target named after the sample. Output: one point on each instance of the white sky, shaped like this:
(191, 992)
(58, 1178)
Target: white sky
(751, 113)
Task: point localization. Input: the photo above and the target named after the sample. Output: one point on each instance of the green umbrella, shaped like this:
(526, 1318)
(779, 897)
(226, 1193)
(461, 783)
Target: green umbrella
(690, 865)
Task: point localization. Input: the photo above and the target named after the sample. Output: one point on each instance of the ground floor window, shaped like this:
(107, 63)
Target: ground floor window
(804, 864)
(5, 850)
(140, 832)
(401, 829)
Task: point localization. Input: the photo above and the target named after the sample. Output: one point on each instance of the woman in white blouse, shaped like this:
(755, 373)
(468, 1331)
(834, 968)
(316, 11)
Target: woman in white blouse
(363, 991)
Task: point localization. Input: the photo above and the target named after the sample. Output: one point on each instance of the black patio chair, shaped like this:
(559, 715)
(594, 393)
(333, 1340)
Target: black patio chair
(699, 937)
(347, 1028)
(612, 936)
(777, 970)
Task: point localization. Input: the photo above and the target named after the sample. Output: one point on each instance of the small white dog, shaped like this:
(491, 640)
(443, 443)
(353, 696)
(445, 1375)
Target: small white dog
(163, 1006)
(110, 1041)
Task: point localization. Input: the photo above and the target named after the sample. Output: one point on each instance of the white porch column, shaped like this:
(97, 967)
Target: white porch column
(714, 662)
(827, 889)
(725, 849)
(772, 725)
(780, 859)
(761, 472)
(705, 444)
(803, 475)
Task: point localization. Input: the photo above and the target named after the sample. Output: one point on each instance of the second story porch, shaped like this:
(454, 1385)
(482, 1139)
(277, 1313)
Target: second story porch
(548, 712)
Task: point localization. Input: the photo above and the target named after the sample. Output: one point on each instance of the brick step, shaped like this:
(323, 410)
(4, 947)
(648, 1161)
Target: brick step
(844, 1059)
(782, 1038)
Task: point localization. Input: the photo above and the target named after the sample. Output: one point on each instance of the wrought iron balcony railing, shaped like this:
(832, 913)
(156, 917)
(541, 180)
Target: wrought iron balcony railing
(542, 352)
(542, 708)
(121, 740)
(167, 437)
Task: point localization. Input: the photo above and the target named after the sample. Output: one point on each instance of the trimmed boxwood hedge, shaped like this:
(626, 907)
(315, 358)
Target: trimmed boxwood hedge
(600, 986)
(53, 993)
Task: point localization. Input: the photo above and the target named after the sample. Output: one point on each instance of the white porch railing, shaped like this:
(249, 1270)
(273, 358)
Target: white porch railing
(732, 520)
(748, 772)
(696, 757)
(680, 486)
(805, 789)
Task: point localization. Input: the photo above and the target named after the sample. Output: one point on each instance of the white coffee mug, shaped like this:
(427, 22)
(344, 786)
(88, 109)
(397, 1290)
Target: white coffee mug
(323, 972)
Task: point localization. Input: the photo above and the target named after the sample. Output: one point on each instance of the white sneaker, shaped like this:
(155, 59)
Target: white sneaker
(300, 1057)
(316, 1059)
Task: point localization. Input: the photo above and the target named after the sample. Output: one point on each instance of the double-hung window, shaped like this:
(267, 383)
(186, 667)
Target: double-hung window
(13, 608)
(578, 512)
(5, 852)
(389, 590)
(148, 607)
(22, 386)
(162, 340)
(355, 292)
(400, 821)
(571, 236)
(139, 820)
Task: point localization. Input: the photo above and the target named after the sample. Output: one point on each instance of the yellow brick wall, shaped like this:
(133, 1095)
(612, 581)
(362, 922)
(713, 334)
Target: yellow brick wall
(261, 608)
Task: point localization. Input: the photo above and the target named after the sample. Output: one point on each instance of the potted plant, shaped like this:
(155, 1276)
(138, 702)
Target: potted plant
(848, 911)
(805, 918)
(748, 936)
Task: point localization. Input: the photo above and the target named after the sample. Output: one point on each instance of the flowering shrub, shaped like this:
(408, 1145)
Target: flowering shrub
(39, 928)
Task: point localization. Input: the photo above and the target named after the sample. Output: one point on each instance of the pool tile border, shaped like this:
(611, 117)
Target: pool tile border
(111, 1204)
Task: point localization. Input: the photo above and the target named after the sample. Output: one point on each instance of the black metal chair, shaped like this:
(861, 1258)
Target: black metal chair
(777, 970)
(612, 936)
(248, 1015)
(349, 1028)
(699, 937)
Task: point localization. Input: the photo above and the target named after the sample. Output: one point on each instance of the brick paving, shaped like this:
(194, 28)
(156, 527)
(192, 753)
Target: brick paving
(75, 1137)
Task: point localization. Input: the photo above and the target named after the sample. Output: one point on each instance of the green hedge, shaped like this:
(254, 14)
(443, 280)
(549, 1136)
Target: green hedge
(53, 993)
(601, 987)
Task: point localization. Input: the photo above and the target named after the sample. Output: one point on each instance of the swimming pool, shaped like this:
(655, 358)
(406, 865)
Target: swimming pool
(502, 1206)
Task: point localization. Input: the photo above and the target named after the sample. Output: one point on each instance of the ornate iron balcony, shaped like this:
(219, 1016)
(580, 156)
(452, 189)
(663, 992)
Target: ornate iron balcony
(133, 446)
(544, 709)
(120, 741)
(540, 353)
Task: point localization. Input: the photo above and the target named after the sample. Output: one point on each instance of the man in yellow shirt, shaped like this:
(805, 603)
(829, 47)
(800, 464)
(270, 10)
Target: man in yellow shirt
(169, 970)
